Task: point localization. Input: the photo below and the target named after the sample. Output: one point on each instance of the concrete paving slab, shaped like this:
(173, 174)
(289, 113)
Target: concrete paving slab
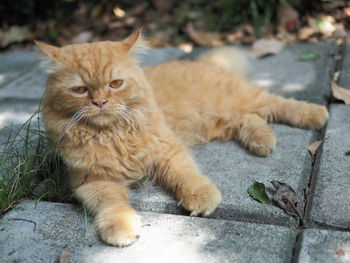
(325, 246)
(286, 75)
(331, 203)
(345, 71)
(291, 77)
(15, 63)
(41, 234)
(233, 170)
(155, 56)
(14, 111)
(29, 85)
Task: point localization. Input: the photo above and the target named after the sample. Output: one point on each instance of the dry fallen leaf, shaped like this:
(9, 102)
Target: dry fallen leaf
(336, 76)
(163, 6)
(118, 12)
(64, 257)
(286, 198)
(83, 37)
(340, 93)
(263, 47)
(288, 17)
(15, 34)
(340, 252)
(306, 32)
(313, 147)
(203, 38)
(138, 9)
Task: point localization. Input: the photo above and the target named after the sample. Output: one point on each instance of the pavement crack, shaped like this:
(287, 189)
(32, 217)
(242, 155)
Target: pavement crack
(310, 188)
(320, 135)
(297, 247)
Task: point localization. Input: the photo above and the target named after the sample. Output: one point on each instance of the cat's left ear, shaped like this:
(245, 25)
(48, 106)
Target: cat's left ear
(136, 43)
(51, 51)
(50, 56)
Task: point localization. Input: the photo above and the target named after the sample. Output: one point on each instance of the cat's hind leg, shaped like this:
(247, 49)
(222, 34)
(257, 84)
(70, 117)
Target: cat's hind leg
(249, 129)
(292, 112)
(256, 135)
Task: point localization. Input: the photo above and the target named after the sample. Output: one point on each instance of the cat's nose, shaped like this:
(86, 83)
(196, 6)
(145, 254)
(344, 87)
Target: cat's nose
(99, 103)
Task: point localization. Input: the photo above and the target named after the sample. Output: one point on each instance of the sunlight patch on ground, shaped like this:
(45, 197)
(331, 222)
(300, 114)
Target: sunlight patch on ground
(265, 83)
(293, 87)
(3, 78)
(13, 117)
(162, 241)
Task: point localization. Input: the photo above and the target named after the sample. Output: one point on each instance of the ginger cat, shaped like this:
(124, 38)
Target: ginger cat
(115, 122)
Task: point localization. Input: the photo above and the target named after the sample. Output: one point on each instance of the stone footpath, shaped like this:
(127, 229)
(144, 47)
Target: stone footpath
(241, 229)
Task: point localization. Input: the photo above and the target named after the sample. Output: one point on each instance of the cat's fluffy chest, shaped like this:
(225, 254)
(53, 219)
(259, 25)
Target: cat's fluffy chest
(117, 153)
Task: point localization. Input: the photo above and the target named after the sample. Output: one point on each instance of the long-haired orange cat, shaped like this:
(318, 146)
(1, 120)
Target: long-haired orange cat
(115, 122)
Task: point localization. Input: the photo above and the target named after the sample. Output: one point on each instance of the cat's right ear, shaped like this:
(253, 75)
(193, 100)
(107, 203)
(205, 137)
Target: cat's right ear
(49, 50)
(135, 43)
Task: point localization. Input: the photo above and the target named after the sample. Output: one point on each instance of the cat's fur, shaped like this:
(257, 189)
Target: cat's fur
(143, 128)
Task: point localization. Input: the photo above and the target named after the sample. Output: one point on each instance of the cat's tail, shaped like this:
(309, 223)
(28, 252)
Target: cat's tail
(233, 59)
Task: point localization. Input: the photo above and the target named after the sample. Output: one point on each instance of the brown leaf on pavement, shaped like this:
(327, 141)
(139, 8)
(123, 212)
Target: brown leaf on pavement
(64, 257)
(313, 147)
(340, 93)
(336, 76)
(263, 47)
(286, 198)
(340, 252)
(203, 38)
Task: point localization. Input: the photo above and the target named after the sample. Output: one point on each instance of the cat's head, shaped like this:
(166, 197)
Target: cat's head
(98, 83)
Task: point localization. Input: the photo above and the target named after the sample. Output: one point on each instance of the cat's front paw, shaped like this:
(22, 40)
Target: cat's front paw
(202, 200)
(119, 227)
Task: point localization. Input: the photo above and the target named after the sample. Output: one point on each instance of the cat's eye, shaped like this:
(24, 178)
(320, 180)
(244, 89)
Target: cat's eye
(116, 84)
(80, 89)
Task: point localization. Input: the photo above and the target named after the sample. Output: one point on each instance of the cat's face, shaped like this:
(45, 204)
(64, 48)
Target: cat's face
(98, 83)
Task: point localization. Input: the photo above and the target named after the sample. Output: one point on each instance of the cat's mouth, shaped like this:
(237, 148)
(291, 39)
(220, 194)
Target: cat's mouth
(101, 113)
(102, 117)
(104, 113)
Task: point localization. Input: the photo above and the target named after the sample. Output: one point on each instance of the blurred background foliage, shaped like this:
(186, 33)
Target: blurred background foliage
(170, 22)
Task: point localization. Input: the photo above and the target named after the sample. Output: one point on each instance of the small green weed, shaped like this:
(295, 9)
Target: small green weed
(30, 168)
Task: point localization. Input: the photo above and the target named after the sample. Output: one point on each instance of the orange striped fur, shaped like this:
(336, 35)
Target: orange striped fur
(110, 138)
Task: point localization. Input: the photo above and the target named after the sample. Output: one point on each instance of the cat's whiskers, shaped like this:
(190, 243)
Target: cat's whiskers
(77, 116)
(122, 118)
(137, 114)
(127, 120)
(132, 116)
